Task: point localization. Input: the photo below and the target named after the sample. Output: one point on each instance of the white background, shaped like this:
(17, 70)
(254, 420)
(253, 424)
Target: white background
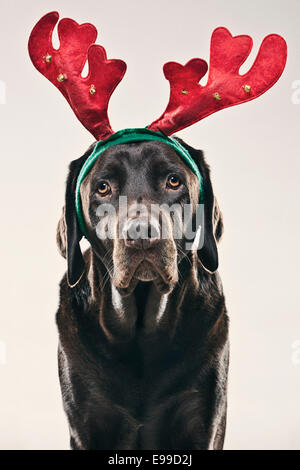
(253, 150)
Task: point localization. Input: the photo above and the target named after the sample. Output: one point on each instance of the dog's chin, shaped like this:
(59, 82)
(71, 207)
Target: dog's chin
(145, 272)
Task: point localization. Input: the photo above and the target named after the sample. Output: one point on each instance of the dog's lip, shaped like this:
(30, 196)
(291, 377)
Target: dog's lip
(163, 276)
(147, 265)
(127, 280)
(166, 276)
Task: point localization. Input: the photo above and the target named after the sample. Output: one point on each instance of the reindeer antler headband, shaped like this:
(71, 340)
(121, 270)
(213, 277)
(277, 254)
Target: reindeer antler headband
(189, 101)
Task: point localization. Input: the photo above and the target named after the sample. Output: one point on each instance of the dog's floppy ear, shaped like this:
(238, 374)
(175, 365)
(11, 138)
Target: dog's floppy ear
(68, 230)
(73, 232)
(213, 226)
(61, 236)
(208, 254)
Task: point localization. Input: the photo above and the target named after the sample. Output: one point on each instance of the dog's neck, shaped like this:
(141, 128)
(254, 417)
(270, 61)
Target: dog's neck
(145, 309)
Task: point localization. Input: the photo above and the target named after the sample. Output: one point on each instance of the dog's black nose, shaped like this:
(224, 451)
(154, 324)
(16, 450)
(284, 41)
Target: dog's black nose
(139, 233)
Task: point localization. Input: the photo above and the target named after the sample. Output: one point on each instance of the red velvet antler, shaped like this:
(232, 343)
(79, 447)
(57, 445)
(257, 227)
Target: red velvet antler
(89, 96)
(189, 101)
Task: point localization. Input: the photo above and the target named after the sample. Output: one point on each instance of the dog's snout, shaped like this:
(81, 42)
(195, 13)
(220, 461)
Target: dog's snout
(139, 233)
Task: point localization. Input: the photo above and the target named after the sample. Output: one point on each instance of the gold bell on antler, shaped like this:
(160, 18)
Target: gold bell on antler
(48, 58)
(217, 97)
(92, 89)
(247, 88)
(61, 77)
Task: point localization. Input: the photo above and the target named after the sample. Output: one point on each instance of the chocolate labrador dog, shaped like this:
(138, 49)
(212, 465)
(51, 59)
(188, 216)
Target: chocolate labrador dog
(143, 329)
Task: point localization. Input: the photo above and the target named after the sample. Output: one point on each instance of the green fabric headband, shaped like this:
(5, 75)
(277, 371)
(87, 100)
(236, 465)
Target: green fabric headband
(122, 137)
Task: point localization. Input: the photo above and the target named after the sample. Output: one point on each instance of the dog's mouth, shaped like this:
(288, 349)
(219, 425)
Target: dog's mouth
(157, 264)
(145, 271)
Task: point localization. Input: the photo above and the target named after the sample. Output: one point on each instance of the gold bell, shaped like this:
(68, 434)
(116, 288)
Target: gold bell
(184, 92)
(247, 88)
(92, 89)
(217, 97)
(61, 77)
(48, 58)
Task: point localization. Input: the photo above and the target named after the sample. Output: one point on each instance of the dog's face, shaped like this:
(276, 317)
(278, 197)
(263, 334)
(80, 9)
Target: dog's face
(132, 202)
(138, 242)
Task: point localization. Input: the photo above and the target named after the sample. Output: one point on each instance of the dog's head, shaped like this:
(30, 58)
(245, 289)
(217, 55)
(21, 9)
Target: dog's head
(134, 204)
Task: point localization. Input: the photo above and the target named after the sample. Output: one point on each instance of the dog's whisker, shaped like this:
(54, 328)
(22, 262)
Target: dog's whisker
(107, 275)
(185, 256)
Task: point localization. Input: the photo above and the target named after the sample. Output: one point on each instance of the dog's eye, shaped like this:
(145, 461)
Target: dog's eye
(104, 188)
(173, 182)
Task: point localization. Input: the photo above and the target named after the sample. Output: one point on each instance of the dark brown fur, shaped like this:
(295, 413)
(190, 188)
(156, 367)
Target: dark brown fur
(130, 381)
